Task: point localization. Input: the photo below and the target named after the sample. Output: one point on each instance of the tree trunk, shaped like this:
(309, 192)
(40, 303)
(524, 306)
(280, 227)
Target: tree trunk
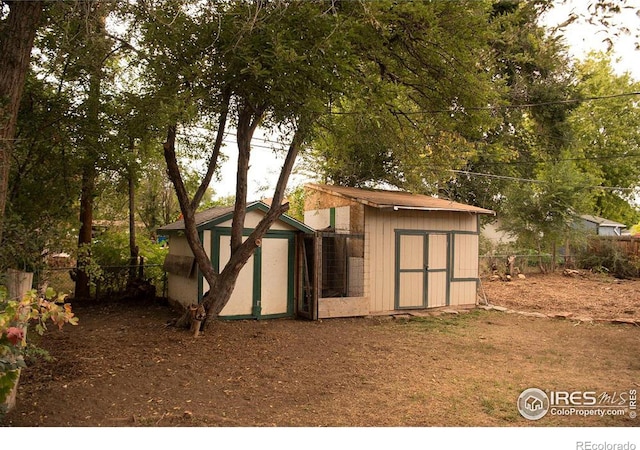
(221, 285)
(90, 143)
(133, 248)
(85, 233)
(220, 293)
(17, 35)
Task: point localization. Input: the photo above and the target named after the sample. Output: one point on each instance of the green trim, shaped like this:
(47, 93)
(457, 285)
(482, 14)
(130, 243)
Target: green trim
(252, 207)
(332, 218)
(452, 277)
(448, 270)
(399, 271)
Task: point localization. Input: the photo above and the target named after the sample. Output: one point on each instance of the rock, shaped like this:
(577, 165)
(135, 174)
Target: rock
(533, 314)
(499, 308)
(583, 319)
(622, 320)
(562, 315)
(571, 273)
(402, 316)
(450, 311)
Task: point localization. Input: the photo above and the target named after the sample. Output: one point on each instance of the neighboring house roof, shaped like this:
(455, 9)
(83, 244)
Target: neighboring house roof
(214, 216)
(602, 222)
(397, 200)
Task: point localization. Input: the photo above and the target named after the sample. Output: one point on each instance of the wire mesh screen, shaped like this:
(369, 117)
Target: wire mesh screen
(342, 265)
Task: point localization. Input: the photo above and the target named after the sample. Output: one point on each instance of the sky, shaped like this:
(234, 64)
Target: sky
(580, 37)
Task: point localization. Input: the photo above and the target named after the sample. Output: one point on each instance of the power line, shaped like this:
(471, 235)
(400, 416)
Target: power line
(463, 109)
(529, 180)
(541, 161)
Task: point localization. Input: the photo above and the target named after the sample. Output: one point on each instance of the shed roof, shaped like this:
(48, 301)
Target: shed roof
(214, 216)
(602, 221)
(398, 200)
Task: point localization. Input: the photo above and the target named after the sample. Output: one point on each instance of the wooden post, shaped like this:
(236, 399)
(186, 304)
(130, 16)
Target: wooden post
(510, 262)
(198, 314)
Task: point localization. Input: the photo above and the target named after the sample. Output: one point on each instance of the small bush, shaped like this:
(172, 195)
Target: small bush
(607, 257)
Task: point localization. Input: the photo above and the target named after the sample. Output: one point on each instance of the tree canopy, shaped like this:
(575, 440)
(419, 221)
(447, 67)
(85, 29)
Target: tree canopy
(469, 100)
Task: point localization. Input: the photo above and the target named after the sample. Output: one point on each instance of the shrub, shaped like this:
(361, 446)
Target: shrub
(606, 256)
(17, 318)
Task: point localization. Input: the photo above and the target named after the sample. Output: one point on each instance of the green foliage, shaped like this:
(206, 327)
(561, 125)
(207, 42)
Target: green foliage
(543, 214)
(296, 198)
(605, 139)
(413, 117)
(111, 249)
(17, 318)
(607, 256)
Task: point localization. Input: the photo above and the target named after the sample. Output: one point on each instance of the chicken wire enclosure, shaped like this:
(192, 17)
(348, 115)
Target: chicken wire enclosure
(342, 265)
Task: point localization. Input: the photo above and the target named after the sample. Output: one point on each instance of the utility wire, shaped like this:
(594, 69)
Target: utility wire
(462, 109)
(529, 180)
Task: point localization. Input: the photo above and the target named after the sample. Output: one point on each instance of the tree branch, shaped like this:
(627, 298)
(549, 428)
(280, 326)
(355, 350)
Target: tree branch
(213, 161)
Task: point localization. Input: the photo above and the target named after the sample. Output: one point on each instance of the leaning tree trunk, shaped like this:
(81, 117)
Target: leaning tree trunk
(225, 283)
(17, 35)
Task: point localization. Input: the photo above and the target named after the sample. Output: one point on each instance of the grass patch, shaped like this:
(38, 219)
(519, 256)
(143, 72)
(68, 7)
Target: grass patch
(446, 323)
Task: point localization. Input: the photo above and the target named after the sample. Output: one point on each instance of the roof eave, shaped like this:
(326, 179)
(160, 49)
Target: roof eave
(424, 208)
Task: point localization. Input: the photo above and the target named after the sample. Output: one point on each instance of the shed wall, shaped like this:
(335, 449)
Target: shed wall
(253, 218)
(380, 251)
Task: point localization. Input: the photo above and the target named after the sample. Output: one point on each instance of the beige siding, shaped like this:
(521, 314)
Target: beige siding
(380, 256)
(241, 299)
(342, 307)
(253, 218)
(437, 285)
(465, 261)
(463, 293)
(275, 276)
(318, 219)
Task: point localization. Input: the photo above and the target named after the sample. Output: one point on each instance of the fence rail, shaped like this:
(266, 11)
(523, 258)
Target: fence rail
(114, 279)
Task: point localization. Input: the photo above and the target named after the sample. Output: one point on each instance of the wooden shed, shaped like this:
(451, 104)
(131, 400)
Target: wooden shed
(268, 285)
(381, 252)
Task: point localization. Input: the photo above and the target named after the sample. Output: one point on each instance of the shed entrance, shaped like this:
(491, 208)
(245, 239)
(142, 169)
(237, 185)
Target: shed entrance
(265, 285)
(422, 269)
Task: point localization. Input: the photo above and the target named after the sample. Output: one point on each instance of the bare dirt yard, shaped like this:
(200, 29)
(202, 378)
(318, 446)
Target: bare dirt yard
(122, 367)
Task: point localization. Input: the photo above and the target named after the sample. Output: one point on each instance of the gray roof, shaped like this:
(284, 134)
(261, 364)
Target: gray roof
(602, 221)
(213, 216)
(201, 217)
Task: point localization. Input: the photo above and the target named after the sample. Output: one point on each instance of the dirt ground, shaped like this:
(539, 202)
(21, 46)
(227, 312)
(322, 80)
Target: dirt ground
(122, 367)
